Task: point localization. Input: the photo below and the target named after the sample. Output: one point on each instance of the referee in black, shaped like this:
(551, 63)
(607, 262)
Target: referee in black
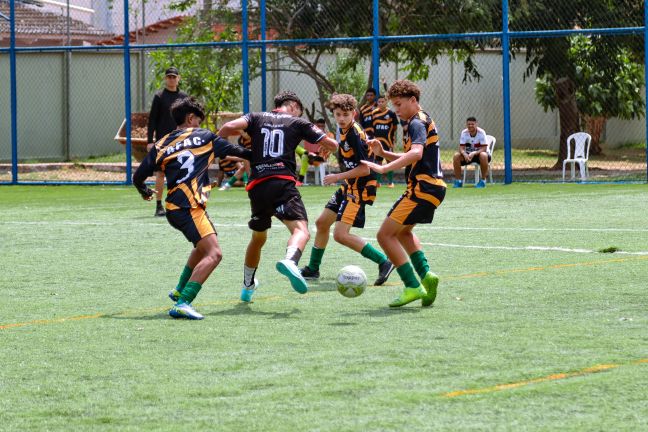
(161, 123)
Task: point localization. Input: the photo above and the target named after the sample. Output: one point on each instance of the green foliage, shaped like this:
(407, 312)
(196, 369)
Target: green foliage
(608, 80)
(345, 77)
(211, 74)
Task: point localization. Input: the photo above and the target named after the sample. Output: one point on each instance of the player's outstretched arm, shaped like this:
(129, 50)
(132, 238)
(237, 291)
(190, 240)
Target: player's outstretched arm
(144, 171)
(328, 144)
(415, 154)
(377, 149)
(234, 127)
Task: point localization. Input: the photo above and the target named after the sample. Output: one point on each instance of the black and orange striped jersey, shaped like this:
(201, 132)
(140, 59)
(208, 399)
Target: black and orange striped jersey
(227, 165)
(365, 115)
(184, 156)
(384, 123)
(425, 175)
(353, 149)
(275, 136)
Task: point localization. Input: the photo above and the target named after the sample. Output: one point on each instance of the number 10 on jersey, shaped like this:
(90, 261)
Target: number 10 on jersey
(273, 142)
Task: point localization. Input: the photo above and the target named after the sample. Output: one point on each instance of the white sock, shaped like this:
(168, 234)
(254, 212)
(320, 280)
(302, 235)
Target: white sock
(293, 253)
(248, 276)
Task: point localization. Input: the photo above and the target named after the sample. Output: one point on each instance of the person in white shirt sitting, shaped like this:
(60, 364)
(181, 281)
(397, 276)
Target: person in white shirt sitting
(473, 147)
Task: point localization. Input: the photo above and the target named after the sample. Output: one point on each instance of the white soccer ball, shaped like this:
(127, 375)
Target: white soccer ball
(351, 281)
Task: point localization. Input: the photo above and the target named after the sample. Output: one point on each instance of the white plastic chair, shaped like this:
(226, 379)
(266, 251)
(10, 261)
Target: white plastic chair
(319, 171)
(582, 143)
(491, 146)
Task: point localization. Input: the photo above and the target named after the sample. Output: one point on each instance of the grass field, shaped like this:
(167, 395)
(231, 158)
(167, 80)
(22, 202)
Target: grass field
(533, 328)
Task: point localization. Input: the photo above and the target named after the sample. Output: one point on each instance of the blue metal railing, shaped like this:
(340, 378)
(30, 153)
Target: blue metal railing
(376, 39)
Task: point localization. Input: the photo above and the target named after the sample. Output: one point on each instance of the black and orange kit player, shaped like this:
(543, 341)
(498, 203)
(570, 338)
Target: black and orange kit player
(351, 197)
(184, 156)
(425, 186)
(384, 123)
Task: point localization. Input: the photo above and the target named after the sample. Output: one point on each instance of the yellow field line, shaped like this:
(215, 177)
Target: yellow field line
(559, 376)
(459, 277)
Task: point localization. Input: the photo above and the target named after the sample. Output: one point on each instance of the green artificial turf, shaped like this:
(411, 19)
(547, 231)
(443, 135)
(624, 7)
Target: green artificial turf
(527, 297)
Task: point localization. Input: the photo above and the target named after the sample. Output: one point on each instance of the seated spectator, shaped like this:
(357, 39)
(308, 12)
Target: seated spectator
(473, 147)
(312, 154)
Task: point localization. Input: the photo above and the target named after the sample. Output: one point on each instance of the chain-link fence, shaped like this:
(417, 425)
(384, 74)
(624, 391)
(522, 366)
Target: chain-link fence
(574, 67)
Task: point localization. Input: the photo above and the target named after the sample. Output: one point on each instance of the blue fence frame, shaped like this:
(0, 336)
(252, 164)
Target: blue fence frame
(375, 39)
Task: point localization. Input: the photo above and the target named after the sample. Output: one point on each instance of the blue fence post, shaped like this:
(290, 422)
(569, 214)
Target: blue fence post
(375, 46)
(646, 76)
(264, 82)
(127, 94)
(14, 99)
(245, 63)
(506, 94)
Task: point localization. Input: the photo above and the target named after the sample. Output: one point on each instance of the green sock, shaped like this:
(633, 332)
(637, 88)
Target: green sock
(373, 254)
(379, 178)
(406, 273)
(315, 258)
(245, 177)
(184, 278)
(189, 292)
(420, 263)
(232, 180)
(390, 177)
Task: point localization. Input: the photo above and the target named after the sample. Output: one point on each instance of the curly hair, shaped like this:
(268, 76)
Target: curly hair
(181, 108)
(404, 88)
(345, 102)
(287, 96)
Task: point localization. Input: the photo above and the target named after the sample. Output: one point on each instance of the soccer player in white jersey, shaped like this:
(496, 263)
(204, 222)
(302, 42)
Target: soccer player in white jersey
(473, 147)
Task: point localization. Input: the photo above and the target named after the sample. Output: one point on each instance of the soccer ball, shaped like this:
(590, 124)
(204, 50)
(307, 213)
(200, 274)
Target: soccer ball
(351, 281)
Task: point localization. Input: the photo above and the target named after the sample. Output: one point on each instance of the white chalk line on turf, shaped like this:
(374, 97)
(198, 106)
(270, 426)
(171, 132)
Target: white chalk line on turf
(279, 225)
(523, 248)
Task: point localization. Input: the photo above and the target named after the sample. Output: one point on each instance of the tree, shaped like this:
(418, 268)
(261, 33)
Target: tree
(212, 75)
(561, 75)
(608, 83)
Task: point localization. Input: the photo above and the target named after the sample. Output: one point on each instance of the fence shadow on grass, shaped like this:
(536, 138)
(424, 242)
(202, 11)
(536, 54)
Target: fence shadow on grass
(248, 309)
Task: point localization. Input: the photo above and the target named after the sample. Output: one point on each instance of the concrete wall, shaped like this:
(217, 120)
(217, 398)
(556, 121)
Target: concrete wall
(97, 103)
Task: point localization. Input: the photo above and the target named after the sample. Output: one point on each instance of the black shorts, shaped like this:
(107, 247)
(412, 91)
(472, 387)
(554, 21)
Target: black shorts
(348, 211)
(194, 223)
(474, 159)
(275, 197)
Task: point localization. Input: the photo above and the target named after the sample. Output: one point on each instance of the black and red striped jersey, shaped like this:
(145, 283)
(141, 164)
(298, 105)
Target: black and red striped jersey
(275, 136)
(184, 156)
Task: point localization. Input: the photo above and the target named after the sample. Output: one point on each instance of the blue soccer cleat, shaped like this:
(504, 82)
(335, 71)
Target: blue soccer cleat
(247, 293)
(457, 184)
(481, 184)
(289, 269)
(185, 310)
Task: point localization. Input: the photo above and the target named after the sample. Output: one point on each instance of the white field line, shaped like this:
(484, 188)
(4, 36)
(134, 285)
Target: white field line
(522, 248)
(278, 224)
(444, 245)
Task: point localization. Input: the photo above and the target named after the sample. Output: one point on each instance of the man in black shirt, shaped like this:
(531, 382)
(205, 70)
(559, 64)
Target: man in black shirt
(271, 189)
(161, 123)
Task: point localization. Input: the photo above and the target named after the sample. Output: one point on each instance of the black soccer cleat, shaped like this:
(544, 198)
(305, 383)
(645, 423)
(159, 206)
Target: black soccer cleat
(309, 274)
(160, 211)
(384, 270)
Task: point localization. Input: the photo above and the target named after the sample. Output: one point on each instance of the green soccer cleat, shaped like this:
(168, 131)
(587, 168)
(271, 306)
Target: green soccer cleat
(430, 282)
(174, 295)
(408, 296)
